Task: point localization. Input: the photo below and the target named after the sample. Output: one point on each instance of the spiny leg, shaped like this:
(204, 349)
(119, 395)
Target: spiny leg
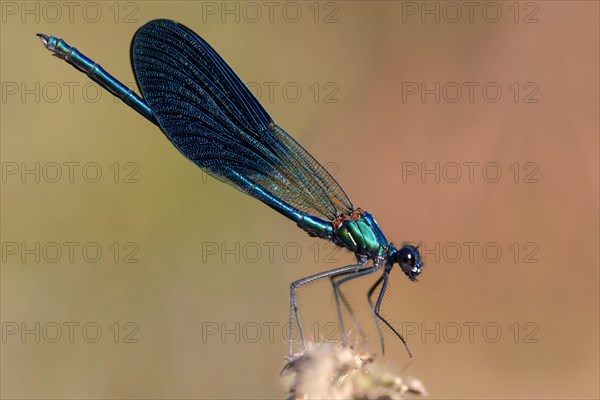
(369, 294)
(378, 306)
(337, 291)
(339, 295)
(303, 281)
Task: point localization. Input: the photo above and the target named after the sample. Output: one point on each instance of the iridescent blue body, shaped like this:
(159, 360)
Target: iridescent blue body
(212, 118)
(62, 50)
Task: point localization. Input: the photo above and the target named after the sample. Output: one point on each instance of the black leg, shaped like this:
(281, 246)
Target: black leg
(303, 281)
(373, 288)
(378, 306)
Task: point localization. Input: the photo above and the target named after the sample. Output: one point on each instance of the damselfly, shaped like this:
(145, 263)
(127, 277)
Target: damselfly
(214, 120)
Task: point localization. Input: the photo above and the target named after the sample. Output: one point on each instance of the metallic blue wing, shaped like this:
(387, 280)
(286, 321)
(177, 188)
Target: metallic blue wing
(215, 121)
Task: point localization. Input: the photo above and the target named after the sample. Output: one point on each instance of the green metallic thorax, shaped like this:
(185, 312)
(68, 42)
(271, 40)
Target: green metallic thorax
(362, 237)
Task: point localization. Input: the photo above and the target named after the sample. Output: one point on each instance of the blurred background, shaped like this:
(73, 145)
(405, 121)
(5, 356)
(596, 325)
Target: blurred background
(473, 129)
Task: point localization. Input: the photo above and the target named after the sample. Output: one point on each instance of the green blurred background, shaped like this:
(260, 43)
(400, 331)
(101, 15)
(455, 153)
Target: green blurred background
(210, 259)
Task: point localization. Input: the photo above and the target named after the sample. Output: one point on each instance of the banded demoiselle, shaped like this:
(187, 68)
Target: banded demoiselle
(214, 120)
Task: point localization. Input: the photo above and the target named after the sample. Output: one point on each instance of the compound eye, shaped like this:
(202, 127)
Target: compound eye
(408, 258)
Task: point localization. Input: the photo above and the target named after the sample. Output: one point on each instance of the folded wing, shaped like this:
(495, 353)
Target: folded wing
(215, 121)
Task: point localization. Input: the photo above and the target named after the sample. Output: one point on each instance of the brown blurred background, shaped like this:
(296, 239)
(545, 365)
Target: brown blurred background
(191, 289)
